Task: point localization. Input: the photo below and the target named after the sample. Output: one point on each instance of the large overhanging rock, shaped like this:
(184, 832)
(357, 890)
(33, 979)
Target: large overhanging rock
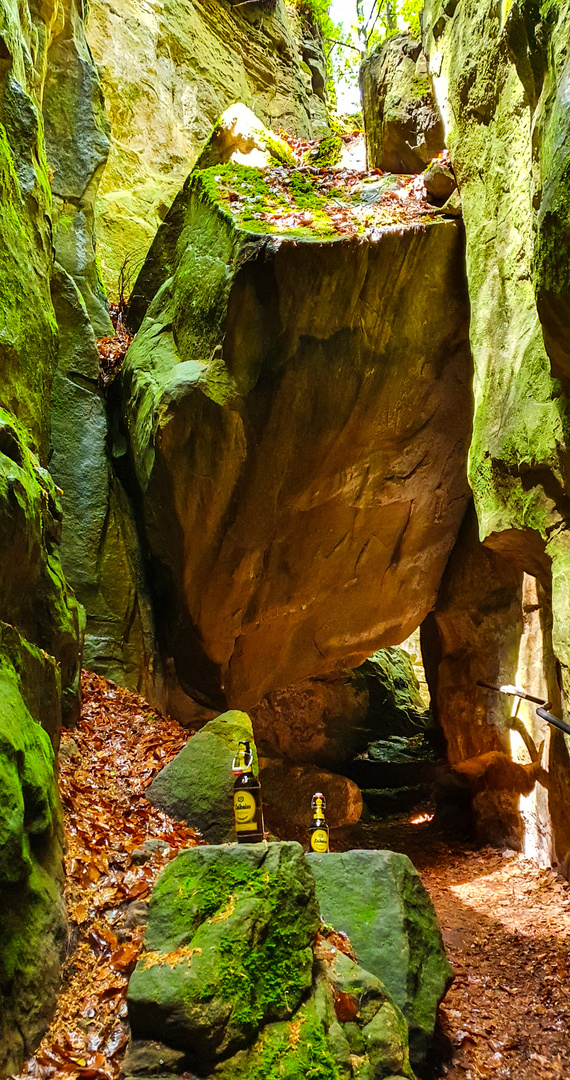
(298, 405)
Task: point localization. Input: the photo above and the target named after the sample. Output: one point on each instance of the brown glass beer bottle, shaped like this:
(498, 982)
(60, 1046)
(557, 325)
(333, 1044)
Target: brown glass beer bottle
(319, 831)
(248, 810)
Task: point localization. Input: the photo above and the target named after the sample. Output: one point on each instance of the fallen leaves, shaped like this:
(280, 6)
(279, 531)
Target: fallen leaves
(112, 350)
(105, 765)
(323, 202)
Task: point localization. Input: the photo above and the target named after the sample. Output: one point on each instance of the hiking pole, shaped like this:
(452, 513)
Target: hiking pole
(542, 711)
(550, 719)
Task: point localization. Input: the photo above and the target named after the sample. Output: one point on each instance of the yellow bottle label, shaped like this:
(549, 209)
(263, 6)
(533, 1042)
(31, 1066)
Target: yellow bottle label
(245, 810)
(319, 840)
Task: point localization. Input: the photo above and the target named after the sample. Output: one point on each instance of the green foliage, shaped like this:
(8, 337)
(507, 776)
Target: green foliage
(375, 22)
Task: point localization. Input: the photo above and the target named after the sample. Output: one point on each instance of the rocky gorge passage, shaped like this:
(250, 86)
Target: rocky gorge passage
(342, 417)
(506, 923)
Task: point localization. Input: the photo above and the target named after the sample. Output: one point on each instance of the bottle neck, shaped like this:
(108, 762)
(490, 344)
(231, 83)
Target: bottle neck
(243, 761)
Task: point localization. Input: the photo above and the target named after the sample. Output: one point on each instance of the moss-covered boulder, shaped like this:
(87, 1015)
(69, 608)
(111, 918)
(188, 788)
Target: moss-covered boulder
(197, 785)
(298, 402)
(228, 948)
(348, 1028)
(233, 977)
(402, 123)
(395, 704)
(377, 898)
(240, 137)
(32, 927)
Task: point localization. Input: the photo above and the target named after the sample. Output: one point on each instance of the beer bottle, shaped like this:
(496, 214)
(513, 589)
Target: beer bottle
(319, 831)
(248, 811)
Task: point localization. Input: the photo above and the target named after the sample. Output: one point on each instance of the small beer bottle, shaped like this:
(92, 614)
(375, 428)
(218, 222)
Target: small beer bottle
(319, 831)
(248, 811)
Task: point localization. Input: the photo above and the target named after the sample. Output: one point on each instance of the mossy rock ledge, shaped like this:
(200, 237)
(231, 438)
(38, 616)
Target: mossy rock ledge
(233, 984)
(298, 405)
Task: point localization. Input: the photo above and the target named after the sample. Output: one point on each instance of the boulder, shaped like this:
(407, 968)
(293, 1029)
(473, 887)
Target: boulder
(377, 898)
(240, 137)
(197, 785)
(348, 1027)
(228, 948)
(402, 123)
(232, 980)
(287, 790)
(299, 505)
(395, 704)
(439, 182)
(318, 721)
(198, 59)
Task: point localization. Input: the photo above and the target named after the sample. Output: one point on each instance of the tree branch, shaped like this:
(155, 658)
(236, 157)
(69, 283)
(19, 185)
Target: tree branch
(344, 44)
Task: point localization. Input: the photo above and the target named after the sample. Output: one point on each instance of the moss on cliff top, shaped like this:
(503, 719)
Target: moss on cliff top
(310, 203)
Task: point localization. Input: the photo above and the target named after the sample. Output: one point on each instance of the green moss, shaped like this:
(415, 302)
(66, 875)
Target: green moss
(27, 323)
(328, 154)
(256, 979)
(217, 184)
(287, 1051)
(280, 151)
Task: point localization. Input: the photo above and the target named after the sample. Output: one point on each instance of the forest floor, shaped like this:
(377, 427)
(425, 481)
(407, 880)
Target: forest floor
(506, 928)
(505, 922)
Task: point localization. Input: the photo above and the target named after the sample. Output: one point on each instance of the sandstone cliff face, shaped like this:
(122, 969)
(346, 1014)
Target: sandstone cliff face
(40, 620)
(99, 549)
(500, 77)
(168, 71)
(297, 413)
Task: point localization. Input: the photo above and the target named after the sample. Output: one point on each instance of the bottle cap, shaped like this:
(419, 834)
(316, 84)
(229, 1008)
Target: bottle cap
(318, 802)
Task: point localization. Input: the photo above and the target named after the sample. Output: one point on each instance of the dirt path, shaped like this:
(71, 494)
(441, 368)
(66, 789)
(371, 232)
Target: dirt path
(506, 924)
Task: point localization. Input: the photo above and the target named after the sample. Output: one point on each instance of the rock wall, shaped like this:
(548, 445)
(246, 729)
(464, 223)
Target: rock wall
(289, 412)
(100, 551)
(168, 71)
(500, 76)
(41, 623)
